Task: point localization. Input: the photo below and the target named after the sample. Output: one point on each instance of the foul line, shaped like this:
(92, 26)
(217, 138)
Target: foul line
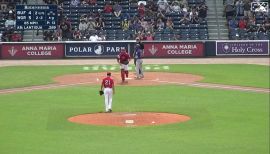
(7, 91)
(205, 85)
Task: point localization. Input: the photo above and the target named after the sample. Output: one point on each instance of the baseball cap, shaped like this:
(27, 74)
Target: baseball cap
(109, 73)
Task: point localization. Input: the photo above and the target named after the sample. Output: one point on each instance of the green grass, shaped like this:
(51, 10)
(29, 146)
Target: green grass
(223, 122)
(242, 75)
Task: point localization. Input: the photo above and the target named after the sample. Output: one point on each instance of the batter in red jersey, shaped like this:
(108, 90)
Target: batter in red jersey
(107, 86)
(123, 59)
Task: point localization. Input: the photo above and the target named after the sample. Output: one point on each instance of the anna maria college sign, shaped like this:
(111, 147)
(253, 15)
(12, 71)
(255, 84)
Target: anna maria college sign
(32, 51)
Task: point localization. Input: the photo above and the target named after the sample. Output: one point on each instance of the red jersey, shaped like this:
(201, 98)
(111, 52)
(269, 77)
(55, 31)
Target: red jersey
(123, 56)
(108, 82)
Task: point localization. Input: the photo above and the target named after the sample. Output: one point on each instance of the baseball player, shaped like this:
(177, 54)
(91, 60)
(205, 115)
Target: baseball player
(138, 53)
(107, 86)
(123, 59)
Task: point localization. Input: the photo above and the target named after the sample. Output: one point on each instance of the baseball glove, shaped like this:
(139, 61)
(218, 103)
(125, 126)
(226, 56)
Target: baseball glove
(125, 62)
(101, 92)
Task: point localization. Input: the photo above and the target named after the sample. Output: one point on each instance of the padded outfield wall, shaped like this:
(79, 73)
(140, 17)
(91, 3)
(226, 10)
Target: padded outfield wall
(152, 49)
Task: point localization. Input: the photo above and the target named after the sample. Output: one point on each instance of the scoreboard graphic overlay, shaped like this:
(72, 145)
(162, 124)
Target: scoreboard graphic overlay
(36, 17)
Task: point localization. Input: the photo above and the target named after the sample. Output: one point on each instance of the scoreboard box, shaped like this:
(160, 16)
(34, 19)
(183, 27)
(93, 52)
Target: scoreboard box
(36, 17)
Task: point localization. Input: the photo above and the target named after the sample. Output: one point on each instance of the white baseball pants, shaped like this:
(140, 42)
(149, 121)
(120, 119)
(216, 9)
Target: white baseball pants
(108, 94)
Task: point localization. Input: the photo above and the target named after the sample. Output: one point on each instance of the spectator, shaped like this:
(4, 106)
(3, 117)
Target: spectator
(194, 20)
(57, 35)
(151, 25)
(125, 16)
(75, 2)
(144, 24)
(239, 4)
(133, 2)
(202, 11)
(102, 36)
(49, 2)
(149, 36)
(94, 38)
(169, 24)
(193, 13)
(140, 35)
(162, 5)
(230, 11)
(247, 6)
(77, 35)
(99, 24)
(10, 23)
(108, 8)
(16, 37)
(142, 2)
(48, 35)
(251, 20)
(98, 14)
(233, 23)
(141, 10)
(84, 17)
(185, 20)
(117, 9)
(160, 24)
(65, 27)
(84, 2)
(266, 23)
(184, 10)
(24, 1)
(175, 7)
(183, 3)
(242, 23)
(92, 2)
(6, 36)
(83, 26)
(91, 24)
(125, 24)
(151, 8)
(251, 28)
(261, 28)
(136, 25)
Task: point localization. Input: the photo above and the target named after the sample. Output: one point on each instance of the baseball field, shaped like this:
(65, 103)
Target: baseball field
(228, 107)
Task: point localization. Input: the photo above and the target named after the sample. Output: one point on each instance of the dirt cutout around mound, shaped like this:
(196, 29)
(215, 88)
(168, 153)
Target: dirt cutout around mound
(126, 119)
(151, 78)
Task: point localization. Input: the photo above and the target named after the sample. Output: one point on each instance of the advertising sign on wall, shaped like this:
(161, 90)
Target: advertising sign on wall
(32, 51)
(252, 48)
(103, 49)
(173, 49)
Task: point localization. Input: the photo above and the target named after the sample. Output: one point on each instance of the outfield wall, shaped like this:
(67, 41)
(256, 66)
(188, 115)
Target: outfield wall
(152, 49)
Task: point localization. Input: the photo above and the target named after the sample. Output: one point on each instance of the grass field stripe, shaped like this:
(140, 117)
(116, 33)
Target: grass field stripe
(230, 87)
(217, 86)
(40, 87)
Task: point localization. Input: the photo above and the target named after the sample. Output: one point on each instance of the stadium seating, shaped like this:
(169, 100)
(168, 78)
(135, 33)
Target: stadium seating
(247, 33)
(114, 31)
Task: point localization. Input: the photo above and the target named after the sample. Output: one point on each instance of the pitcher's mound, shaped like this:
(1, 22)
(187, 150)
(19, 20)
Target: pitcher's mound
(126, 119)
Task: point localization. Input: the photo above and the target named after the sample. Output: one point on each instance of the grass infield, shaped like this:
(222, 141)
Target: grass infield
(223, 121)
(231, 74)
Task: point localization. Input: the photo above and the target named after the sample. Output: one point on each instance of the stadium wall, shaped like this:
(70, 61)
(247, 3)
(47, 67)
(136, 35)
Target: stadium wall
(152, 49)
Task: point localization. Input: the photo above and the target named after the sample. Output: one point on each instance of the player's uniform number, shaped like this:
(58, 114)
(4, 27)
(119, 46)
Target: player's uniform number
(107, 83)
